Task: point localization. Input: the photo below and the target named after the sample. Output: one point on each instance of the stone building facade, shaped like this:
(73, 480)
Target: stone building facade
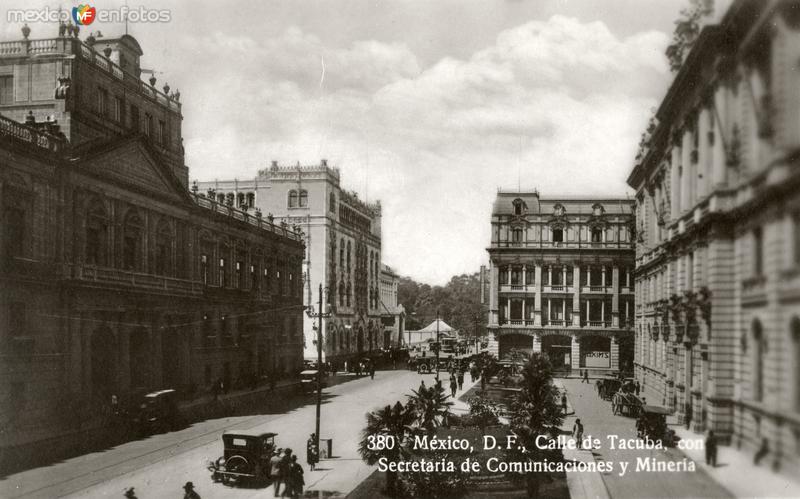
(561, 280)
(343, 249)
(116, 280)
(393, 314)
(718, 222)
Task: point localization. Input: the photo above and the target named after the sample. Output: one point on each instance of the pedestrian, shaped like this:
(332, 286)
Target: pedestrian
(189, 492)
(577, 432)
(312, 452)
(453, 385)
(285, 467)
(275, 470)
(483, 380)
(371, 370)
(637, 387)
(564, 403)
(129, 493)
(586, 376)
(711, 449)
(422, 387)
(460, 380)
(295, 478)
(580, 375)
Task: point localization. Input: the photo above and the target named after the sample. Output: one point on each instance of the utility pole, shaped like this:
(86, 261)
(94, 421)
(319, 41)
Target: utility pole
(319, 315)
(477, 318)
(438, 345)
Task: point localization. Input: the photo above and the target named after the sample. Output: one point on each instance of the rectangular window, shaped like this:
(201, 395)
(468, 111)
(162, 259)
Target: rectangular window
(102, 101)
(148, 124)
(204, 268)
(129, 253)
(238, 281)
(516, 236)
(162, 133)
(222, 281)
(6, 89)
(117, 109)
(558, 235)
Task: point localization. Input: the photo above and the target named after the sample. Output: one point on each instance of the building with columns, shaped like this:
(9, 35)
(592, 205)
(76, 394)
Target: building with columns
(561, 280)
(393, 314)
(114, 278)
(718, 220)
(343, 249)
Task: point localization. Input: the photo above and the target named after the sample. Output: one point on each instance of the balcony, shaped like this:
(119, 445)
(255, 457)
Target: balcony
(603, 324)
(557, 288)
(565, 245)
(556, 322)
(106, 275)
(255, 220)
(516, 322)
(597, 289)
(517, 288)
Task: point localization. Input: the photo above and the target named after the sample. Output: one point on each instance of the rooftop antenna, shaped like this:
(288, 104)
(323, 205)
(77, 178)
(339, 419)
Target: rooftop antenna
(126, 17)
(519, 159)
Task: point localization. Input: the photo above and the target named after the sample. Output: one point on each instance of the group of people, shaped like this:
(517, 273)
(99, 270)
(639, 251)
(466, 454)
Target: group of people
(188, 492)
(286, 471)
(456, 381)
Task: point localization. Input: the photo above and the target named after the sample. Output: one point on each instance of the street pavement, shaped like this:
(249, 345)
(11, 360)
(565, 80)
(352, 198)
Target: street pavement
(599, 421)
(158, 466)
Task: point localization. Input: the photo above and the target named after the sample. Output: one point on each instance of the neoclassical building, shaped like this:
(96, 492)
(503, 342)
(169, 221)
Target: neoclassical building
(343, 249)
(718, 222)
(561, 280)
(114, 278)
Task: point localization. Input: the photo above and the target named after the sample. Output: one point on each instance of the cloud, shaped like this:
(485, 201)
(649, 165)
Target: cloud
(556, 104)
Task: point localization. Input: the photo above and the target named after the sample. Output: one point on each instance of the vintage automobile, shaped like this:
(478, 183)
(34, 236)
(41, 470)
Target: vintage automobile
(245, 458)
(652, 424)
(158, 412)
(308, 380)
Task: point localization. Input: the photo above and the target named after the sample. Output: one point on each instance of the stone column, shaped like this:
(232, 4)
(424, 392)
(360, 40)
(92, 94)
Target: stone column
(603, 276)
(615, 296)
(575, 353)
(675, 180)
(549, 312)
(508, 309)
(524, 274)
(564, 310)
(493, 293)
(576, 295)
(686, 162)
(614, 354)
(537, 343)
(564, 276)
(549, 275)
(718, 155)
(704, 153)
(537, 301)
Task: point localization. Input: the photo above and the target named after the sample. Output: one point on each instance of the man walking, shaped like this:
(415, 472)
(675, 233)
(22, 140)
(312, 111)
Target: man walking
(460, 379)
(453, 386)
(585, 376)
(711, 449)
(577, 432)
(275, 470)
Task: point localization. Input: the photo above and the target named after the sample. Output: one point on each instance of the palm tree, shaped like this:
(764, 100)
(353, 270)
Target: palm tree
(431, 407)
(535, 411)
(393, 422)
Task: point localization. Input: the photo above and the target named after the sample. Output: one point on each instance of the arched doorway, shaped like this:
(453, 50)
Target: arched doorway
(558, 350)
(104, 360)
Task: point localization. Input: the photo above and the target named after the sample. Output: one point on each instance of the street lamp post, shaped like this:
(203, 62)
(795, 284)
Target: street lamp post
(319, 315)
(438, 345)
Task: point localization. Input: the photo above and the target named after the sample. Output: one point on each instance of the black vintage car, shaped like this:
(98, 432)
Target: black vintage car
(157, 413)
(245, 458)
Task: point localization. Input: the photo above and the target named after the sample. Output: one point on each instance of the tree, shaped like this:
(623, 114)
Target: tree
(393, 422)
(430, 406)
(483, 412)
(687, 29)
(535, 411)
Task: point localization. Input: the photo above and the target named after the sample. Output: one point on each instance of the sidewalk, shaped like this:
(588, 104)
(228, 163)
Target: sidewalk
(736, 472)
(581, 485)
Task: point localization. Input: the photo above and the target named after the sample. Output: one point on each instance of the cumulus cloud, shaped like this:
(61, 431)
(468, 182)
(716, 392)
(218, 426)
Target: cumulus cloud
(556, 104)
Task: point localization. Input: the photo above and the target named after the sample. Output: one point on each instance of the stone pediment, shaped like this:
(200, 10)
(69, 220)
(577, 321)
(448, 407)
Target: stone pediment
(131, 162)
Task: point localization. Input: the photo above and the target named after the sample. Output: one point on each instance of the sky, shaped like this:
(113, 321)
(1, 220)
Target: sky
(429, 106)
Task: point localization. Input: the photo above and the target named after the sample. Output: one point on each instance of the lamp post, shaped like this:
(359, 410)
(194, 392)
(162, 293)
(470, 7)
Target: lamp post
(319, 315)
(438, 346)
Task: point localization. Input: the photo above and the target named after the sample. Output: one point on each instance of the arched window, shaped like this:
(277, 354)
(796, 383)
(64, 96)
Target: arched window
(163, 255)
(794, 330)
(759, 352)
(221, 198)
(597, 235)
(349, 260)
(17, 210)
(240, 199)
(332, 207)
(293, 199)
(519, 206)
(132, 241)
(303, 198)
(341, 255)
(96, 234)
(251, 199)
(341, 294)
(348, 293)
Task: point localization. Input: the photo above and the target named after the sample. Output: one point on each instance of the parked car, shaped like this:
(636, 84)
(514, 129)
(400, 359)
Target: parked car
(245, 457)
(158, 412)
(308, 380)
